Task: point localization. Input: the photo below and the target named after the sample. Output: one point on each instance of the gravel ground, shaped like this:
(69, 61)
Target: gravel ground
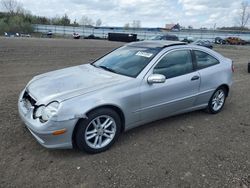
(191, 150)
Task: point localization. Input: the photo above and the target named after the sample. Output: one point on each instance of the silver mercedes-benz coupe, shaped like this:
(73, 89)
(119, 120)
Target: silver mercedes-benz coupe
(89, 106)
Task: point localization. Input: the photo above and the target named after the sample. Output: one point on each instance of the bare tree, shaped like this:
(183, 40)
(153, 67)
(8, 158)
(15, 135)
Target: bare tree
(136, 24)
(12, 6)
(98, 23)
(127, 26)
(85, 20)
(244, 14)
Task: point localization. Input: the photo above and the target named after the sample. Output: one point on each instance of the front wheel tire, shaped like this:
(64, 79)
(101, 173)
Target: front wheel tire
(217, 101)
(99, 132)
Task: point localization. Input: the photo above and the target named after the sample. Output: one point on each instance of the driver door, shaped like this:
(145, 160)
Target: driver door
(177, 93)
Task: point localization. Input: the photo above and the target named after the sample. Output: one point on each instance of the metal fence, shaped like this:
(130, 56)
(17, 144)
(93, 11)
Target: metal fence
(142, 34)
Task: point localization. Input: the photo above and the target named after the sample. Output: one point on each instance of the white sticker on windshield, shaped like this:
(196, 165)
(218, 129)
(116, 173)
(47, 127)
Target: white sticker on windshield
(144, 54)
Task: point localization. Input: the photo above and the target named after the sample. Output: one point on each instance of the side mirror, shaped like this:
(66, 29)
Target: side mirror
(156, 78)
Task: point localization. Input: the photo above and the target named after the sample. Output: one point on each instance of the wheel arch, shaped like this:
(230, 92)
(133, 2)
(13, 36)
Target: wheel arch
(113, 107)
(225, 86)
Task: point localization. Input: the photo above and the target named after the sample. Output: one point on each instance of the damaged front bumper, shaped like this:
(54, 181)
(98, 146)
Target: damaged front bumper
(43, 132)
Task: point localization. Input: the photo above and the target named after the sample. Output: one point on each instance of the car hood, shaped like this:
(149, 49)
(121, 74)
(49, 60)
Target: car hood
(70, 82)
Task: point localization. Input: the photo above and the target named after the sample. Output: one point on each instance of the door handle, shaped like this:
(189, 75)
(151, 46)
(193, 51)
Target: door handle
(195, 78)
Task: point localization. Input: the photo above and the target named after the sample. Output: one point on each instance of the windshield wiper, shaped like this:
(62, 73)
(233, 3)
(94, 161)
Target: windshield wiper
(107, 68)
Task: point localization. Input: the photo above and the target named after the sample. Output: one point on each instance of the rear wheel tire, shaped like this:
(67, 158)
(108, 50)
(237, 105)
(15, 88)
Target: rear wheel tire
(217, 101)
(99, 132)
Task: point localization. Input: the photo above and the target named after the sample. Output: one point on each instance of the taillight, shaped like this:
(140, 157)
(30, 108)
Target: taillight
(233, 67)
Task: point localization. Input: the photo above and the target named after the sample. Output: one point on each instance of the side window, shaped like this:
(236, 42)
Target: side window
(174, 64)
(204, 60)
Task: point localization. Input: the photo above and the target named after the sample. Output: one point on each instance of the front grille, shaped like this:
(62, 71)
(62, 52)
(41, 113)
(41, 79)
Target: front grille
(29, 102)
(28, 98)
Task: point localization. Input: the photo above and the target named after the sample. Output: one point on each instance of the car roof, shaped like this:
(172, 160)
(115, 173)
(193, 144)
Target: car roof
(155, 44)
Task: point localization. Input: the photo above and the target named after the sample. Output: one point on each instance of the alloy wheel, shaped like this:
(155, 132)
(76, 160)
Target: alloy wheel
(218, 100)
(100, 132)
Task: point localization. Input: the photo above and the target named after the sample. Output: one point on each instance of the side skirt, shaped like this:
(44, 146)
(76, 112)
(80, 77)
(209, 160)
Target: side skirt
(137, 124)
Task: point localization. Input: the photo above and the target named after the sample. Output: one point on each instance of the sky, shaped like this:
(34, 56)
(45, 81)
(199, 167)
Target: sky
(151, 13)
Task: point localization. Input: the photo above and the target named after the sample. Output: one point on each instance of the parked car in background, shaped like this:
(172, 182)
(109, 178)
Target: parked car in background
(235, 41)
(76, 36)
(219, 40)
(49, 34)
(89, 106)
(204, 43)
(165, 37)
(92, 37)
(188, 39)
(13, 34)
(25, 35)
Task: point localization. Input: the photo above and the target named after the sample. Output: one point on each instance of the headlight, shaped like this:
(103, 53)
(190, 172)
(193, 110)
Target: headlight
(44, 113)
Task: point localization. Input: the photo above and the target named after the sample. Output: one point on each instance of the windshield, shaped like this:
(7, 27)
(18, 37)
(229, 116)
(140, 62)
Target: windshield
(127, 60)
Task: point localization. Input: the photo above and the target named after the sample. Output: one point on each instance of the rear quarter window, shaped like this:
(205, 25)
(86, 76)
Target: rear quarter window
(204, 60)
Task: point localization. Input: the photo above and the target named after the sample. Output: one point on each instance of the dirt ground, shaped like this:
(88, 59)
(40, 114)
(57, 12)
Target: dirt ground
(191, 150)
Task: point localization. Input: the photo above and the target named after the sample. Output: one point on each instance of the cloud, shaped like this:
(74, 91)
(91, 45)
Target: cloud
(152, 13)
(210, 12)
